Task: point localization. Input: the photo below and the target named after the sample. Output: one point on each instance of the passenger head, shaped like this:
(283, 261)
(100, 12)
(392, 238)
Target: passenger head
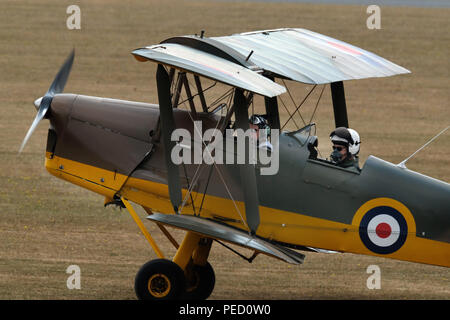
(260, 125)
(345, 144)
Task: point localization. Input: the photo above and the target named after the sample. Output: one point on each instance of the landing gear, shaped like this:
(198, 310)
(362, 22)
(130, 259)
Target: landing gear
(163, 279)
(188, 276)
(160, 279)
(200, 282)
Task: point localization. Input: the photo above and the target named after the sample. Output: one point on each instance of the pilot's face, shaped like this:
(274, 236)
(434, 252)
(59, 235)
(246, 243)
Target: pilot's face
(342, 150)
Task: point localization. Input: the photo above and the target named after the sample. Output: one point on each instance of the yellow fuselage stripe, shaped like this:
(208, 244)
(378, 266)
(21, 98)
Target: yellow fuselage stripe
(278, 225)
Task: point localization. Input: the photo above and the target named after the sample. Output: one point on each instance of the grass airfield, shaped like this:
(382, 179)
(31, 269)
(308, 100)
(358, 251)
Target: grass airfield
(47, 224)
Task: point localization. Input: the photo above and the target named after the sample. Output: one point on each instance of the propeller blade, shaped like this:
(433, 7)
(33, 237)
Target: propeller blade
(60, 80)
(43, 108)
(43, 103)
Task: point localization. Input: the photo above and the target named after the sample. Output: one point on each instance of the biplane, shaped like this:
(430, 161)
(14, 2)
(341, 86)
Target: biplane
(123, 150)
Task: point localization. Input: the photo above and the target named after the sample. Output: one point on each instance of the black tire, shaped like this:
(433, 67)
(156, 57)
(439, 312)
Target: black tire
(160, 279)
(201, 282)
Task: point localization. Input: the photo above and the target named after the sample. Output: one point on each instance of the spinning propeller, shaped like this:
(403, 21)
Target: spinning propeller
(43, 104)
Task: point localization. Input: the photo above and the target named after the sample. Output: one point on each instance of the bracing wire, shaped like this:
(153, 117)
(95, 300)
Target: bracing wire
(314, 112)
(317, 104)
(201, 166)
(287, 110)
(293, 101)
(301, 103)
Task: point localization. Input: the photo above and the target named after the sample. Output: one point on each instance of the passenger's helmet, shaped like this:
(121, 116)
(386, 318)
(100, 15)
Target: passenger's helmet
(258, 120)
(347, 137)
(261, 122)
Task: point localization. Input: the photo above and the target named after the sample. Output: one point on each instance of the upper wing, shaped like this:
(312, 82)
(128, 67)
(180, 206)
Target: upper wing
(210, 66)
(242, 60)
(309, 57)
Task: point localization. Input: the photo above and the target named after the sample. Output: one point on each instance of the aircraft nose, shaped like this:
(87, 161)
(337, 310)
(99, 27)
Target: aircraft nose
(37, 103)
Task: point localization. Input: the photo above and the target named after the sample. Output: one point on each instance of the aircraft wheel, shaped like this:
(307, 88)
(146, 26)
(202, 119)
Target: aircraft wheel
(201, 282)
(160, 279)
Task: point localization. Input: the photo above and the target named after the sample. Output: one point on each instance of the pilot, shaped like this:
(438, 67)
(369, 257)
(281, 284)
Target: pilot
(345, 148)
(260, 124)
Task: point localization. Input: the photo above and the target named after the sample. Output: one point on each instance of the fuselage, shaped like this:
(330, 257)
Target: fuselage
(112, 147)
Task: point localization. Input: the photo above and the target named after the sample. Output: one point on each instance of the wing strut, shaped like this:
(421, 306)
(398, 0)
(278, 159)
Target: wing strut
(339, 106)
(271, 105)
(167, 127)
(247, 171)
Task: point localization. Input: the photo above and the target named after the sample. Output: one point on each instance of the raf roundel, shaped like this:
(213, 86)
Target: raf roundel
(383, 230)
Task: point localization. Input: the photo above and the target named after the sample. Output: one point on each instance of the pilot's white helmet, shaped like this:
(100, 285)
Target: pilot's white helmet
(347, 137)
